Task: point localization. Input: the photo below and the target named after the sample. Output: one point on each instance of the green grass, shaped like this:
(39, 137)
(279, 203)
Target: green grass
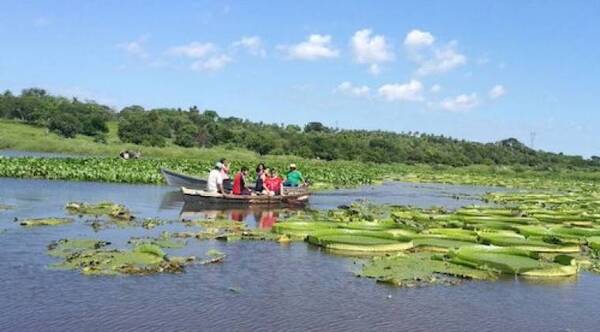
(19, 136)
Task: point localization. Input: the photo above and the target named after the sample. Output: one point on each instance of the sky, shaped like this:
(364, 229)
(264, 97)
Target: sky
(475, 70)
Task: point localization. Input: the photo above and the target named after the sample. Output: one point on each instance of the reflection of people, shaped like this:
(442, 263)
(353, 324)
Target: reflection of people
(267, 219)
(294, 178)
(215, 180)
(239, 182)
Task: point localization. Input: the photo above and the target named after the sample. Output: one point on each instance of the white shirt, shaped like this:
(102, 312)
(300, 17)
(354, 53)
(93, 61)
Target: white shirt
(214, 180)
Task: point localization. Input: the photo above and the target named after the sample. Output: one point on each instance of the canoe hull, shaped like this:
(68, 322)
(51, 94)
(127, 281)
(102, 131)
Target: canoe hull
(181, 180)
(200, 196)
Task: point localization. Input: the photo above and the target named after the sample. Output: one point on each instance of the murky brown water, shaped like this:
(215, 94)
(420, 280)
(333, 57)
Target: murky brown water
(262, 286)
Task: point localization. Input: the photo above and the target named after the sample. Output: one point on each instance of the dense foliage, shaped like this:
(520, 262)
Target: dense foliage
(67, 117)
(193, 128)
(319, 173)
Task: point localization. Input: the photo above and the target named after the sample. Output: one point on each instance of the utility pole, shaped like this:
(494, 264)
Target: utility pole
(532, 139)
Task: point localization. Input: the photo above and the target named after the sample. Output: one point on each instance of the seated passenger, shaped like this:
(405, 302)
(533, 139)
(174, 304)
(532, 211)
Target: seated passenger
(215, 180)
(239, 182)
(261, 175)
(294, 178)
(274, 183)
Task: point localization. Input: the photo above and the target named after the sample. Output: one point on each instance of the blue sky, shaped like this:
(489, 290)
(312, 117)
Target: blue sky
(478, 70)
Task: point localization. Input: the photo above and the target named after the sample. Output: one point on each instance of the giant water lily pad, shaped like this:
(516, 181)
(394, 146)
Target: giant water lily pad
(65, 247)
(508, 260)
(164, 240)
(418, 269)
(109, 209)
(359, 243)
(91, 257)
(45, 222)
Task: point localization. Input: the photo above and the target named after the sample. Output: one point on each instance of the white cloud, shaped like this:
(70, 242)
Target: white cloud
(371, 50)
(349, 89)
(213, 63)
(314, 48)
(135, 48)
(436, 88)
(444, 59)
(194, 50)
(205, 56)
(431, 58)
(462, 102)
(254, 45)
(497, 91)
(417, 38)
(411, 91)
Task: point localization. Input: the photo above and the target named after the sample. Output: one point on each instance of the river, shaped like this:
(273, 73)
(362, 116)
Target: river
(262, 286)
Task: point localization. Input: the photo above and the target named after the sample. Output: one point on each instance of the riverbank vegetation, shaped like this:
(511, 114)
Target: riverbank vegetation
(89, 122)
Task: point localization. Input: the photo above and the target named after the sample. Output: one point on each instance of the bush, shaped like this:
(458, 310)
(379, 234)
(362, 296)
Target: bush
(141, 127)
(186, 135)
(65, 124)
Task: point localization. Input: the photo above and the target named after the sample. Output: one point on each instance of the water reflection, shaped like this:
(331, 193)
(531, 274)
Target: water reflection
(254, 216)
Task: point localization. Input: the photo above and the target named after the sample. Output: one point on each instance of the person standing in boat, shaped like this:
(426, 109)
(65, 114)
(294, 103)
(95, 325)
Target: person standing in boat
(294, 178)
(215, 180)
(225, 174)
(239, 182)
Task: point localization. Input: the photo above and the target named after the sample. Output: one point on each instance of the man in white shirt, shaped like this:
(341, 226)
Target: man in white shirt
(215, 180)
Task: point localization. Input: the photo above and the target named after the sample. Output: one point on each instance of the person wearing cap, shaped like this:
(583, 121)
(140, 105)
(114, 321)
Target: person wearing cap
(294, 178)
(215, 180)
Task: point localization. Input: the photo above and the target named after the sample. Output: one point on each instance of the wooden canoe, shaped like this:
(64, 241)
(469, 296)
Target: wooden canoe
(295, 196)
(182, 180)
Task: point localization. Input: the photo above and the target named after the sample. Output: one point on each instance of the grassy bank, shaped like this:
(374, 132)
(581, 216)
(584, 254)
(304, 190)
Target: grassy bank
(19, 136)
(103, 165)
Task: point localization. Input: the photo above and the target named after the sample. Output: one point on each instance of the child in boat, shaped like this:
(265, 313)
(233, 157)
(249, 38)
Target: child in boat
(239, 182)
(274, 183)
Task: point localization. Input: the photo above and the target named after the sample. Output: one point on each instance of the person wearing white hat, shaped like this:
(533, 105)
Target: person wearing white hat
(294, 178)
(215, 180)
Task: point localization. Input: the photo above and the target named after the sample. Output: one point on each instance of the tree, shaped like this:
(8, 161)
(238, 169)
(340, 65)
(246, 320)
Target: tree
(186, 135)
(65, 124)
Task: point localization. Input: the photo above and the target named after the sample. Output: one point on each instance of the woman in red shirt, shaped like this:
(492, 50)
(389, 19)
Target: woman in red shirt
(239, 182)
(274, 182)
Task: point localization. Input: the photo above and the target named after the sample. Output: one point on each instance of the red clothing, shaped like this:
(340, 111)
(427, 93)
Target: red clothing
(238, 184)
(273, 183)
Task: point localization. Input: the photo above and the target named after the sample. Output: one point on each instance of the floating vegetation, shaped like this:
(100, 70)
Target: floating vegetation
(5, 207)
(420, 269)
(323, 174)
(549, 238)
(164, 240)
(109, 209)
(45, 222)
(213, 256)
(66, 247)
(91, 257)
(150, 223)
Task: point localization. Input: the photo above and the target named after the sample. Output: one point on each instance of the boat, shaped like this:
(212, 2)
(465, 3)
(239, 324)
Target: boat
(182, 180)
(290, 196)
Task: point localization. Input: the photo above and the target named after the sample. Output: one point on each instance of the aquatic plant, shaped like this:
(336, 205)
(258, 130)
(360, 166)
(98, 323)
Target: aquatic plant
(108, 209)
(418, 270)
(91, 257)
(45, 222)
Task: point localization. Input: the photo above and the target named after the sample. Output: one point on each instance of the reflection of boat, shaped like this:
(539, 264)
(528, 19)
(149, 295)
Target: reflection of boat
(290, 196)
(182, 180)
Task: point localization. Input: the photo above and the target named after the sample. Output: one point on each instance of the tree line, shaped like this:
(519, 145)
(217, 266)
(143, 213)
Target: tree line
(194, 128)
